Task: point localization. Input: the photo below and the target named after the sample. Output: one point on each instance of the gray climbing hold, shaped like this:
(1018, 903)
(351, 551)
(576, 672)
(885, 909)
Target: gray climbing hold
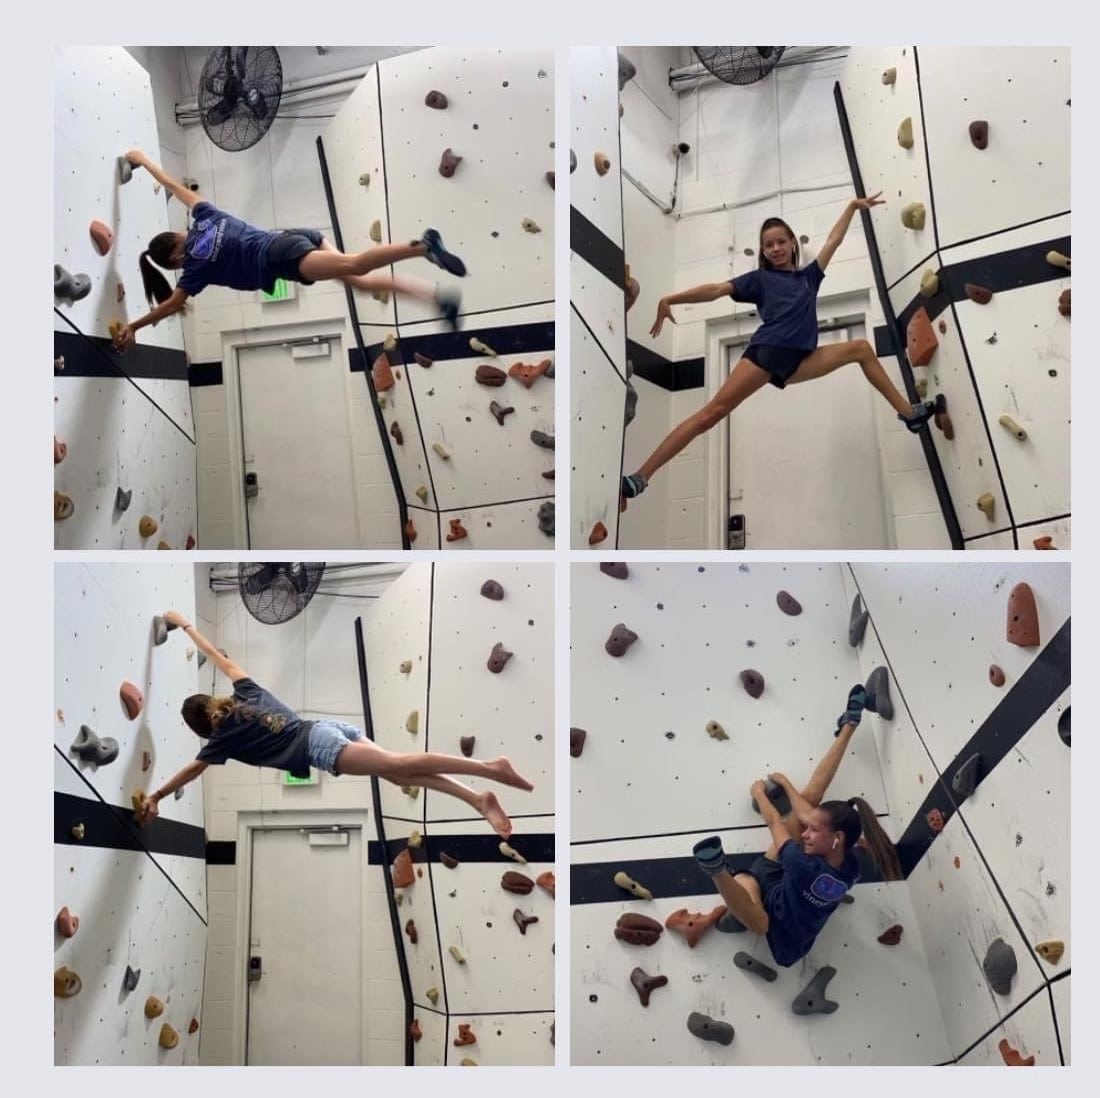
(541, 438)
(69, 287)
(627, 70)
(125, 170)
(490, 589)
(708, 1029)
(645, 984)
(999, 966)
(546, 518)
(160, 630)
(753, 682)
(788, 604)
(122, 499)
(757, 968)
(620, 640)
(202, 659)
(857, 622)
(777, 795)
(572, 161)
(499, 411)
(549, 369)
(1063, 726)
(966, 777)
(631, 404)
(615, 569)
(878, 693)
(436, 100)
(130, 978)
(811, 1000)
(89, 747)
(179, 792)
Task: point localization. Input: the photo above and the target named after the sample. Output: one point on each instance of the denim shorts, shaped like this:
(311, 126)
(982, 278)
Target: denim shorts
(327, 739)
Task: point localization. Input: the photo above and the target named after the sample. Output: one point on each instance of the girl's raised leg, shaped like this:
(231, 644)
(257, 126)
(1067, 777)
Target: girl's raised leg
(485, 803)
(364, 757)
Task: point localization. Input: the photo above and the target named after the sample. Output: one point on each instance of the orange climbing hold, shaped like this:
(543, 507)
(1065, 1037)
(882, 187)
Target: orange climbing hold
(693, 924)
(920, 340)
(67, 923)
(529, 374)
(546, 882)
(465, 1036)
(131, 699)
(1012, 1057)
(458, 531)
(1023, 617)
(415, 1030)
(402, 870)
(1044, 542)
(102, 237)
(599, 533)
(382, 373)
(410, 531)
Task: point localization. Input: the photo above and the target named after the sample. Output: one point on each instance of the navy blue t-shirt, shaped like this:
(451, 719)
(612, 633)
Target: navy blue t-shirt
(787, 302)
(223, 250)
(263, 733)
(801, 903)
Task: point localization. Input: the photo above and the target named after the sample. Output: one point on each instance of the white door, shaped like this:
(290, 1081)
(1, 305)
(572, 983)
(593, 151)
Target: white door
(306, 929)
(297, 445)
(804, 464)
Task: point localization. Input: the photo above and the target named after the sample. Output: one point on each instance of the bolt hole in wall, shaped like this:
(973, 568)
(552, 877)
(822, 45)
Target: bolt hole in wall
(264, 910)
(707, 150)
(718, 709)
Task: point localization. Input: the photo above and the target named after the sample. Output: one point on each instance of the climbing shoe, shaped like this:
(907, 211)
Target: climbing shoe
(919, 416)
(710, 856)
(857, 702)
(730, 924)
(439, 255)
(633, 485)
(448, 301)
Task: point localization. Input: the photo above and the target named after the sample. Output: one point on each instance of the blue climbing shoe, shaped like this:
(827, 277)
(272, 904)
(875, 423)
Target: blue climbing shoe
(439, 255)
(919, 416)
(710, 856)
(857, 702)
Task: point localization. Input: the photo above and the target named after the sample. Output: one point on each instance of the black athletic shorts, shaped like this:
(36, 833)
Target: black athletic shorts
(780, 362)
(287, 249)
(768, 874)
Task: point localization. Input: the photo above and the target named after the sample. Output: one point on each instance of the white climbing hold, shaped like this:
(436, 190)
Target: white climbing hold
(515, 855)
(623, 880)
(441, 450)
(1010, 425)
(376, 232)
(1056, 259)
(481, 348)
(390, 342)
(530, 225)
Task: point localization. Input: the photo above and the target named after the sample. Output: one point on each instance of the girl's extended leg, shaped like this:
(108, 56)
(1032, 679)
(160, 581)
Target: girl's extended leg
(374, 283)
(485, 803)
(364, 757)
(825, 771)
(325, 263)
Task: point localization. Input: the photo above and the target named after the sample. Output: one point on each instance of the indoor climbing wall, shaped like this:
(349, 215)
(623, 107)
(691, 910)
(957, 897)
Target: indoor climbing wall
(469, 415)
(666, 742)
(112, 436)
(991, 863)
(478, 955)
(597, 276)
(971, 148)
(139, 893)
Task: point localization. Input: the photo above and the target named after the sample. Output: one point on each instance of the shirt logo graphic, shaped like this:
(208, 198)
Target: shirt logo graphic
(828, 888)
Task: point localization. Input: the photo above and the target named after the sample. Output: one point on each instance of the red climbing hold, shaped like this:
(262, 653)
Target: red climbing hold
(415, 1030)
(1023, 617)
(410, 531)
(190, 543)
(935, 820)
(489, 375)
(529, 374)
(516, 882)
(645, 984)
(458, 531)
(1044, 542)
(410, 930)
(131, 699)
(402, 870)
(693, 924)
(60, 449)
(978, 293)
(599, 533)
(1012, 1057)
(382, 373)
(67, 923)
(891, 935)
(193, 1026)
(465, 1035)
(637, 929)
(547, 882)
(1064, 302)
(920, 340)
(996, 675)
(102, 237)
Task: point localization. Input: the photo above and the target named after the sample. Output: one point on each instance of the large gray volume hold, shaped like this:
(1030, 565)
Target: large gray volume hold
(857, 622)
(999, 966)
(878, 693)
(811, 1000)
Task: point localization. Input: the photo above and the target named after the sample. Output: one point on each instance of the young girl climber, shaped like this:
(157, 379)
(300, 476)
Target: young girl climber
(254, 727)
(222, 250)
(790, 891)
(784, 348)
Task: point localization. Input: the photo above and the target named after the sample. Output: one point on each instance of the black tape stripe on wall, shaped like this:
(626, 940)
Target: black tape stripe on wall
(112, 826)
(91, 356)
(513, 339)
(535, 847)
(205, 373)
(596, 248)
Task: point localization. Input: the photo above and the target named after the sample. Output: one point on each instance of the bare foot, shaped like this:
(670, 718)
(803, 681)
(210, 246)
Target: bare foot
(489, 807)
(505, 773)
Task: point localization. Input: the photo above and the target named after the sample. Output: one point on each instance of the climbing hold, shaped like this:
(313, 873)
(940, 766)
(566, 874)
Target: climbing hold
(878, 693)
(1023, 617)
(382, 296)
(490, 589)
(1064, 302)
(102, 237)
(410, 930)
(162, 544)
(645, 985)
(1010, 425)
(541, 438)
(402, 870)
(146, 761)
(598, 534)
(67, 923)
(889, 76)
(160, 630)
(777, 795)
(547, 882)
(999, 966)
(70, 287)
(966, 777)
(457, 954)
(376, 231)
(929, 283)
(138, 801)
(60, 449)
(905, 133)
(412, 722)
(466, 1062)
(857, 622)
(364, 179)
(1012, 1057)
(620, 640)
(457, 531)
(548, 474)
(996, 675)
(1051, 951)
(466, 745)
(979, 133)
(395, 431)
(116, 328)
(551, 179)
(546, 518)
(811, 1000)
(516, 882)
(577, 736)
(178, 793)
(499, 411)
(1055, 259)
(921, 385)
(448, 860)
(942, 419)
(509, 852)
(441, 450)
(1063, 727)
(788, 604)
(987, 505)
(977, 293)
(572, 161)
(615, 569)
(912, 216)
(77, 831)
(753, 682)
(89, 747)
(122, 499)
(410, 531)
(131, 699)
(757, 968)
(934, 819)
(920, 340)
(433, 995)
(490, 375)
(693, 924)
(125, 170)
(632, 886)
(530, 225)
(943, 328)
(523, 921)
(708, 1029)
(716, 731)
(66, 983)
(382, 374)
(482, 348)
(405, 667)
(168, 1038)
(550, 368)
(603, 163)
(891, 935)
(422, 493)
(193, 1026)
(448, 163)
(414, 1030)
(528, 374)
(465, 1035)
(63, 506)
(436, 100)
(154, 1008)
(498, 658)
(638, 929)
(147, 526)
(415, 840)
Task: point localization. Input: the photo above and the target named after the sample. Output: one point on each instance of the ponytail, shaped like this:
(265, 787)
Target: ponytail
(204, 714)
(157, 288)
(855, 818)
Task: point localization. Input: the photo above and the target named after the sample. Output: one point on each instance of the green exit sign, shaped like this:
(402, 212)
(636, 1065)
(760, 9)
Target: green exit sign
(283, 291)
(289, 779)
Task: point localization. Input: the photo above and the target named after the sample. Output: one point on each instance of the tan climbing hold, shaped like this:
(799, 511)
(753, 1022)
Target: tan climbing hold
(147, 526)
(412, 722)
(102, 237)
(168, 1038)
(929, 283)
(63, 506)
(433, 995)
(411, 791)
(920, 339)
(382, 374)
(530, 225)
(922, 388)
(912, 216)
(598, 534)
(457, 531)
(132, 700)
(381, 296)
(457, 954)
(163, 545)
(1045, 541)
(481, 348)
(716, 731)
(1023, 617)
(77, 831)
(529, 374)
(890, 76)
(364, 179)
(410, 531)
(987, 505)
(67, 923)
(402, 870)
(602, 162)
(509, 852)
(415, 1031)
(154, 1008)
(66, 983)
(422, 493)
(905, 133)
(1051, 951)
(977, 293)
(630, 885)
(441, 450)
(389, 342)
(1010, 425)
(415, 840)
(693, 924)
(1056, 259)
(547, 883)
(468, 1063)
(1012, 1057)
(465, 1036)
(376, 231)
(405, 667)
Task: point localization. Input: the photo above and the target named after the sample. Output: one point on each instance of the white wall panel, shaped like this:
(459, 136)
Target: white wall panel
(594, 127)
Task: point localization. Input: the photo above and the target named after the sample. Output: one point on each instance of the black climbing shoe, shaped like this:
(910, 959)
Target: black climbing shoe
(919, 416)
(448, 301)
(730, 924)
(857, 702)
(710, 856)
(633, 485)
(439, 255)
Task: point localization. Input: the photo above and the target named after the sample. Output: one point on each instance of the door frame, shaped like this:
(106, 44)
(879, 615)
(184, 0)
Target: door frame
(720, 334)
(248, 823)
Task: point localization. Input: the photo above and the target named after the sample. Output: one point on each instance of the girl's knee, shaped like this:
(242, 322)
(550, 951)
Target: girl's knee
(863, 350)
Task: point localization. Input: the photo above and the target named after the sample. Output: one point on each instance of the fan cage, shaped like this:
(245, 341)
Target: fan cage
(739, 64)
(239, 94)
(275, 593)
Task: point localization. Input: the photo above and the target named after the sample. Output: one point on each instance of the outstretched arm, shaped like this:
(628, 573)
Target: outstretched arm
(799, 805)
(840, 229)
(189, 773)
(775, 823)
(231, 670)
(188, 197)
(174, 304)
(709, 291)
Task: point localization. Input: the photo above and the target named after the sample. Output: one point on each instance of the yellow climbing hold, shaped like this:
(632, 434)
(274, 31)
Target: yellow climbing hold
(515, 855)
(422, 493)
(632, 886)
(169, 1038)
(147, 526)
(441, 450)
(987, 505)
(390, 342)
(406, 666)
(411, 791)
(376, 231)
(1051, 951)
(922, 388)
(382, 296)
(929, 283)
(1009, 424)
(415, 840)
(468, 1063)
(905, 133)
(456, 953)
(433, 994)
(716, 731)
(364, 179)
(912, 217)
(412, 722)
